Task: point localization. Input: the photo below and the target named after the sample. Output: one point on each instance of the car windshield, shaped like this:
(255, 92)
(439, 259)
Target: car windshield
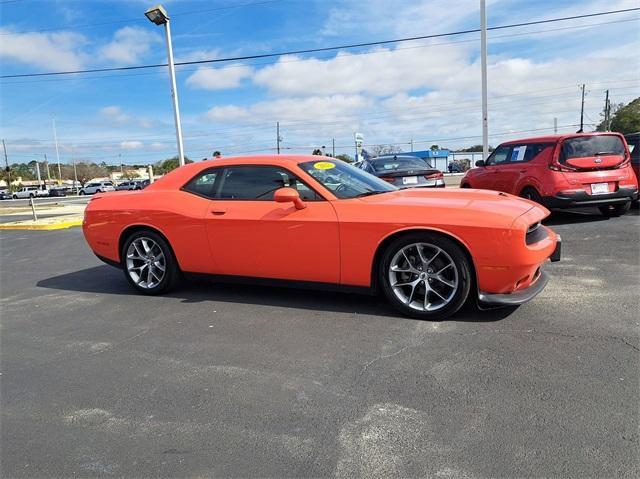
(589, 146)
(398, 163)
(344, 180)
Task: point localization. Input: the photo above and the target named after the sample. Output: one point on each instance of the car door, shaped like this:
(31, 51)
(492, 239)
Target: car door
(509, 171)
(485, 177)
(252, 235)
(522, 160)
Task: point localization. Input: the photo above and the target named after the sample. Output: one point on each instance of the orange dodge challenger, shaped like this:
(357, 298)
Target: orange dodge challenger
(317, 221)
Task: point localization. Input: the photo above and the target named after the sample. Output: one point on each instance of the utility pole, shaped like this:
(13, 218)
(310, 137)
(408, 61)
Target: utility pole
(46, 164)
(38, 174)
(555, 126)
(483, 54)
(6, 162)
(411, 142)
(55, 137)
(581, 130)
(333, 146)
(607, 113)
(278, 139)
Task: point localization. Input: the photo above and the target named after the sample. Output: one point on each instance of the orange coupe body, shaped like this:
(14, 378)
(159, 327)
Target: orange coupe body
(311, 232)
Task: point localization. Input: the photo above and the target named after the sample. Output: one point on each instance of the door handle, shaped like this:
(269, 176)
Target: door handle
(218, 212)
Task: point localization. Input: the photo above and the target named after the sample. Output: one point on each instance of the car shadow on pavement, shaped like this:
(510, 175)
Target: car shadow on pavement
(568, 217)
(108, 280)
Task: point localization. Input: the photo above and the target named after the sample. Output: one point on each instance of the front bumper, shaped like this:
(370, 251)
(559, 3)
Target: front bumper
(517, 298)
(524, 295)
(582, 198)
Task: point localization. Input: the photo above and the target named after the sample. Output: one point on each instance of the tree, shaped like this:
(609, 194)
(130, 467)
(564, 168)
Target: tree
(379, 150)
(475, 149)
(88, 171)
(130, 174)
(170, 164)
(624, 118)
(434, 147)
(345, 157)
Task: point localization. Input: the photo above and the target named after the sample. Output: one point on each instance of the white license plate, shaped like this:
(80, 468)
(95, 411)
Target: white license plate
(599, 188)
(409, 180)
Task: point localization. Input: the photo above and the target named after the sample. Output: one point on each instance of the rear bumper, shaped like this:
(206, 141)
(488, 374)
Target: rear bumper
(582, 198)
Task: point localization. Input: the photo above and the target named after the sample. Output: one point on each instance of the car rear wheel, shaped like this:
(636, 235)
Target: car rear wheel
(81, 193)
(465, 185)
(615, 210)
(425, 275)
(531, 194)
(148, 263)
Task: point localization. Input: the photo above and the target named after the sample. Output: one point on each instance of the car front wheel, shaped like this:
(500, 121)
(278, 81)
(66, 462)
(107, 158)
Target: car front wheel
(615, 210)
(148, 263)
(425, 276)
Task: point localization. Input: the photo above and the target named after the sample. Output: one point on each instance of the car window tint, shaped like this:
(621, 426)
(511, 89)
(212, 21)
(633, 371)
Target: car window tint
(500, 155)
(260, 183)
(203, 184)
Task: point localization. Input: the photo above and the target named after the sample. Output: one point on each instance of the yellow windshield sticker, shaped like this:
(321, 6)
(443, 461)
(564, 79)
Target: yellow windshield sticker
(324, 165)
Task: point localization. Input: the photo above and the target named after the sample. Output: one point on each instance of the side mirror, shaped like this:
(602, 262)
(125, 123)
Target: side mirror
(289, 195)
(480, 163)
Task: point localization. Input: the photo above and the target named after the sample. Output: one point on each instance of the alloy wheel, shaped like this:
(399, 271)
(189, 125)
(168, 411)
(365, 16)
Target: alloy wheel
(146, 262)
(423, 276)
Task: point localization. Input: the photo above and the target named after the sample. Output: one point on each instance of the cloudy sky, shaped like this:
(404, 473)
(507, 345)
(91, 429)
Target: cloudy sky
(427, 91)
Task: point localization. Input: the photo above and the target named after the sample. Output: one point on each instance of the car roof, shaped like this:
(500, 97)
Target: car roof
(556, 138)
(179, 176)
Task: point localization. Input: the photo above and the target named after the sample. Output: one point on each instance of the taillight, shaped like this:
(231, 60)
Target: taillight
(434, 176)
(557, 167)
(388, 179)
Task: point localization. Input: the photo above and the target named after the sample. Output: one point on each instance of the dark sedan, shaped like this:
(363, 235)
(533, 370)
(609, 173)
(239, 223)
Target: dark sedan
(404, 171)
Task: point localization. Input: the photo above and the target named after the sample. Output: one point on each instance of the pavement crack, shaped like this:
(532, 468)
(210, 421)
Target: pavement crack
(386, 356)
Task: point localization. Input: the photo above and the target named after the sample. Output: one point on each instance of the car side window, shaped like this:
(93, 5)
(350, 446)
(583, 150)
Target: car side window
(204, 183)
(259, 183)
(500, 155)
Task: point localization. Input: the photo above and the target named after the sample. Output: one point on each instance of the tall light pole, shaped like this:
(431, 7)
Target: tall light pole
(55, 137)
(158, 15)
(483, 54)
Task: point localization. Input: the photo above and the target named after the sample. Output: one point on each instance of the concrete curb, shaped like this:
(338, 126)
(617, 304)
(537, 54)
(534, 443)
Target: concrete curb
(46, 227)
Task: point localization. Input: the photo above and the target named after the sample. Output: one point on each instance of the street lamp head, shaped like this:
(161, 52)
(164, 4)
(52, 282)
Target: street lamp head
(157, 15)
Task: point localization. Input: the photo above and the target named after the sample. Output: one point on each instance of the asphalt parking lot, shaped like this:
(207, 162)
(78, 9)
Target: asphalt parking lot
(223, 380)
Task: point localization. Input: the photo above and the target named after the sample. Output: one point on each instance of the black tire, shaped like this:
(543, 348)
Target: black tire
(15, 197)
(611, 211)
(532, 194)
(171, 273)
(81, 193)
(465, 185)
(453, 252)
(97, 191)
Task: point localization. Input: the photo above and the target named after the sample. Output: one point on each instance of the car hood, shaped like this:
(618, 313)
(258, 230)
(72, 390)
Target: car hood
(457, 204)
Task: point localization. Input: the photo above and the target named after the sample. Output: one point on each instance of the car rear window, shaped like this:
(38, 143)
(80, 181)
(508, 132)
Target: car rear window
(589, 146)
(390, 164)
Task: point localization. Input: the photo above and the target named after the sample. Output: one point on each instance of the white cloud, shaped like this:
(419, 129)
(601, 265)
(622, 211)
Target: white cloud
(131, 145)
(230, 76)
(129, 45)
(115, 116)
(56, 51)
(382, 72)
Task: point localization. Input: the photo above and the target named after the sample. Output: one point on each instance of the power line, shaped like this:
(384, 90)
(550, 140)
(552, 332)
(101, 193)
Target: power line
(379, 52)
(322, 49)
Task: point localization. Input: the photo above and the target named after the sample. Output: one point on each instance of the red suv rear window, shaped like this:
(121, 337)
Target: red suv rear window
(590, 146)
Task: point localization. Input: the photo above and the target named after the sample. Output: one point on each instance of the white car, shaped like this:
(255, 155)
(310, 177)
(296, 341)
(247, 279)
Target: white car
(97, 187)
(30, 192)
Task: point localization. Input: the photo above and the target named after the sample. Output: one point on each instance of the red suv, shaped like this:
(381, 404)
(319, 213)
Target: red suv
(562, 171)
